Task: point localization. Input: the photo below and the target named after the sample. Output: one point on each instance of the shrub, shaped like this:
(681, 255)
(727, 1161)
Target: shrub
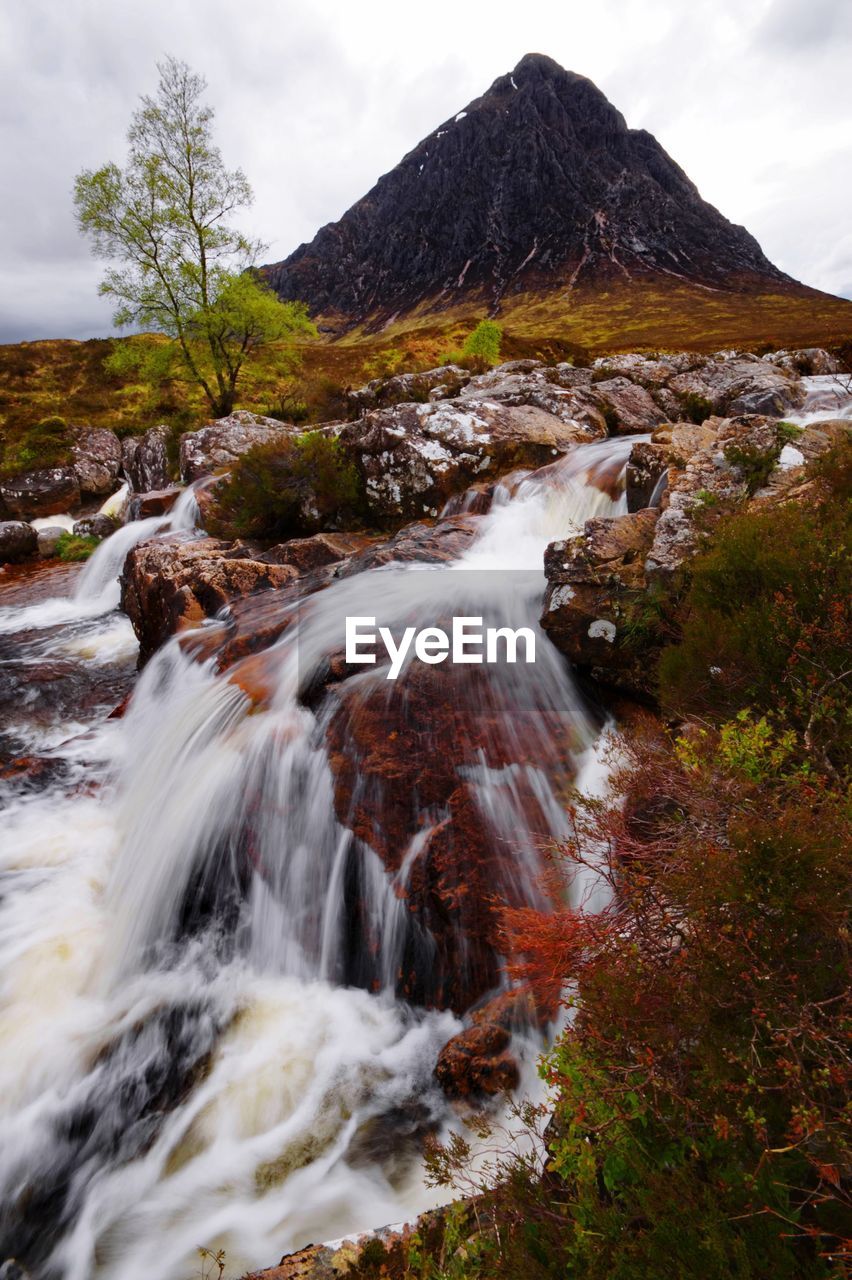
(288, 489)
(766, 620)
(756, 464)
(72, 547)
(696, 408)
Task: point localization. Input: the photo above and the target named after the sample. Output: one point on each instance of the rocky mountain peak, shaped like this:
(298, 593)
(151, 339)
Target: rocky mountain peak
(537, 185)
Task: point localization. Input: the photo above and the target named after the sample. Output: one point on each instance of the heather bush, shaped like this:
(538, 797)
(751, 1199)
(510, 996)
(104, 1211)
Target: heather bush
(288, 489)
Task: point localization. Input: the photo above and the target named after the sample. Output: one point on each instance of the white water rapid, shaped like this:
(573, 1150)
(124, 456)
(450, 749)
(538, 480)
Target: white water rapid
(203, 1037)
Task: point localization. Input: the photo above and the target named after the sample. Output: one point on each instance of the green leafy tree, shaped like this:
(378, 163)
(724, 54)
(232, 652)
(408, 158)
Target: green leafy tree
(181, 268)
(484, 343)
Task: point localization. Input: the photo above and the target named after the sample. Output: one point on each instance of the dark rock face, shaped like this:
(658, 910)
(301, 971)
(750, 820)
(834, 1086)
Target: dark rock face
(18, 540)
(538, 182)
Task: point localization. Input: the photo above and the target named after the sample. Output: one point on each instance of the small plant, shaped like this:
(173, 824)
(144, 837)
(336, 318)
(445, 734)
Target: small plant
(697, 408)
(787, 432)
(72, 547)
(209, 1260)
(756, 464)
(289, 488)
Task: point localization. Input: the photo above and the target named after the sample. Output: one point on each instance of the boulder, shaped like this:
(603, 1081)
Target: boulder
(306, 554)
(645, 468)
(592, 580)
(155, 502)
(741, 385)
(40, 493)
(96, 526)
(48, 540)
(18, 541)
(145, 460)
(220, 443)
(628, 407)
(97, 459)
(169, 585)
(414, 457)
(560, 390)
(407, 388)
(477, 1061)
(805, 362)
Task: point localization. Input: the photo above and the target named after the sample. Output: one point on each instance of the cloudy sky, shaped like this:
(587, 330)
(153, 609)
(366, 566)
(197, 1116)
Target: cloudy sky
(315, 99)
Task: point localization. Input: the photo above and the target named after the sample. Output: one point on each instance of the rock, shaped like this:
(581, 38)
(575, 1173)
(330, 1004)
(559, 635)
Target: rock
(413, 458)
(48, 540)
(96, 526)
(649, 372)
(170, 585)
(806, 362)
(322, 549)
(41, 493)
(155, 502)
(560, 390)
(407, 388)
(97, 459)
(591, 581)
(217, 445)
(741, 385)
(628, 407)
(145, 460)
(18, 541)
(645, 467)
(477, 1061)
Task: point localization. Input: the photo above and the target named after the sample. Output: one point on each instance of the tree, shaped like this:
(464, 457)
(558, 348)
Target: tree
(183, 270)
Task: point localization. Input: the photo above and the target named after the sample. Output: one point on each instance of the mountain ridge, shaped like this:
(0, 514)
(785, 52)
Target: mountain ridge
(537, 184)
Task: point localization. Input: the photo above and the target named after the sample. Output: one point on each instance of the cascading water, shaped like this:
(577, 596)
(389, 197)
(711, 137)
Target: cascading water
(203, 946)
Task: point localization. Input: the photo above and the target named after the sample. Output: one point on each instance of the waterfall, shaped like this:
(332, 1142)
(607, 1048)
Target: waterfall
(204, 945)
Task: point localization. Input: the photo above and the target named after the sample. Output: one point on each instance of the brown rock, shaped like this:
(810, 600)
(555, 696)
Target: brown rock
(97, 459)
(477, 1061)
(146, 460)
(18, 541)
(220, 443)
(156, 502)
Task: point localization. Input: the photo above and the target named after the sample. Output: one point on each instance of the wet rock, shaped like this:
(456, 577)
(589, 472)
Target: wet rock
(413, 458)
(168, 586)
(645, 467)
(592, 580)
(322, 549)
(18, 541)
(41, 493)
(48, 540)
(96, 526)
(156, 502)
(97, 459)
(145, 460)
(477, 1061)
(219, 444)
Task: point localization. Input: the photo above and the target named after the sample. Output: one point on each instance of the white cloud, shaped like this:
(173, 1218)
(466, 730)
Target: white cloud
(316, 100)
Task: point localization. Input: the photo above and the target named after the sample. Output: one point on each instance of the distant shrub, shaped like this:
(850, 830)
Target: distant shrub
(46, 444)
(72, 547)
(289, 489)
(480, 350)
(787, 432)
(696, 408)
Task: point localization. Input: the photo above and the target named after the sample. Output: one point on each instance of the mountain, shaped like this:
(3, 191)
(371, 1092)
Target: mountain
(536, 186)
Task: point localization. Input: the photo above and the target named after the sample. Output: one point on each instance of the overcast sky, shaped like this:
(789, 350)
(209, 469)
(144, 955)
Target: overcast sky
(315, 99)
